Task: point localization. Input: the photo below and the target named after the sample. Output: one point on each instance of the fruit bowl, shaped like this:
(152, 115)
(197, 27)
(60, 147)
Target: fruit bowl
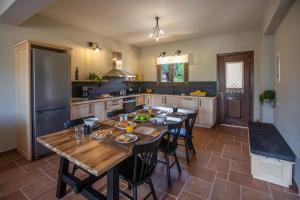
(141, 118)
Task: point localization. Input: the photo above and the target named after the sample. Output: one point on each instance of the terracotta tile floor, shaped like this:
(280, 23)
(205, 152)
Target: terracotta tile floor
(219, 170)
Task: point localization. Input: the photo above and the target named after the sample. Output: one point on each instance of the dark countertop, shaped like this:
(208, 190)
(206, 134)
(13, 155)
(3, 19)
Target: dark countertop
(78, 100)
(266, 140)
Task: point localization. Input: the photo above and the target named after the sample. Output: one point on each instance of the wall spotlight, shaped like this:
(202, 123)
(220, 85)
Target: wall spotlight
(94, 46)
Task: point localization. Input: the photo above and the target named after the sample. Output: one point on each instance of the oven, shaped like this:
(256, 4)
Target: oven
(129, 104)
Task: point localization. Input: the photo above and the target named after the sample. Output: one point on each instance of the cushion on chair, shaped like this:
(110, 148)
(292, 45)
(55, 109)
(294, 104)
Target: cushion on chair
(182, 132)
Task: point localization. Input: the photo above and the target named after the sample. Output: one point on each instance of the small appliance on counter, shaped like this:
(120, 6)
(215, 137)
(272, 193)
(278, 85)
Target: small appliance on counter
(123, 92)
(84, 91)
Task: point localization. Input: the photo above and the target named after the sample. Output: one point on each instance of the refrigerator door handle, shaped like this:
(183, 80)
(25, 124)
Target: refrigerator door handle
(55, 109)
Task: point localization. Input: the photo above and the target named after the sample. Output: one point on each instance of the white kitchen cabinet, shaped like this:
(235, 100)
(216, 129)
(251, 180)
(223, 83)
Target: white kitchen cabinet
(207, 109)
(99, 110)
(204, 112)
(80, 111)
(170, 101)
(189, 103)
(140, 100)
(148, 99)
(158, 100)
(114, 104)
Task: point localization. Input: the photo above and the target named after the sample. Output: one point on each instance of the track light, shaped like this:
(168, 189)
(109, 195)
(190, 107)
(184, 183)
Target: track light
(94, 46)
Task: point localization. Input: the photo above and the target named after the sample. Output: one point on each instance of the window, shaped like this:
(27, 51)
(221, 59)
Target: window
(172, 70)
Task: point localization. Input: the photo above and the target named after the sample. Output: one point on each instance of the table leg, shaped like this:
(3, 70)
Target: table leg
(61, 185)
(113, 183)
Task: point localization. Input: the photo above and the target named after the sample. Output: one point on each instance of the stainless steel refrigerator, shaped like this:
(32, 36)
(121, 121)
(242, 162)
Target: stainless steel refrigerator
(50, 95)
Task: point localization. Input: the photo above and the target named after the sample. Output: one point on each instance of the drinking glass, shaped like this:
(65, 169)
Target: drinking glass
(78, 131)
(129, 129)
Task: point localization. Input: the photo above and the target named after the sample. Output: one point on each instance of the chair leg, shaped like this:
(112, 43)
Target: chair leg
(193, 148)
(135, 193)
(186, 144)
(152, 189)
(168, 170)
(177, 163)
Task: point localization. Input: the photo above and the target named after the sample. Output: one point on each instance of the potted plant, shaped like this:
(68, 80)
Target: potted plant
(268, 96)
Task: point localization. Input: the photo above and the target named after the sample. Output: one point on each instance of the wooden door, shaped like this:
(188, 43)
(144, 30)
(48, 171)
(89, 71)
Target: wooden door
(235, 87)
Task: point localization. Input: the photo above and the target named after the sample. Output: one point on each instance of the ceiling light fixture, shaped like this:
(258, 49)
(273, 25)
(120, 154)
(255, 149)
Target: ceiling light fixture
(94, 46)
(177, 53)
(162, 54)
(156, 31)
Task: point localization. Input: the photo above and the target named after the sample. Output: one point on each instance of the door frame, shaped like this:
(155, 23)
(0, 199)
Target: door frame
(251, 54)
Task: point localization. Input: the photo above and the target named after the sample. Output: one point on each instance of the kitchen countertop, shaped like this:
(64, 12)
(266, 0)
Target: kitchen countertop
(92, 100)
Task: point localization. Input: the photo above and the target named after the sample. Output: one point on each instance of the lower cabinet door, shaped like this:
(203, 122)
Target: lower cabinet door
(158, 100)
(189, 103)
(204, 113)
(80, 111)
(140, 100)
(98, 109)
(171, 101)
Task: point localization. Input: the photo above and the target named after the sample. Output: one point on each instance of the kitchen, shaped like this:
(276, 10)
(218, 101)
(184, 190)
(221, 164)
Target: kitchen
(59, 66)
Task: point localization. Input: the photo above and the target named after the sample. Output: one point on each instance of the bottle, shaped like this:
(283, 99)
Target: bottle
(77, 74)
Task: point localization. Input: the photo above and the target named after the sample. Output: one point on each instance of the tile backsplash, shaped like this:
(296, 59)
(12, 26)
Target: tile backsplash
(209, 86)
(116, 84)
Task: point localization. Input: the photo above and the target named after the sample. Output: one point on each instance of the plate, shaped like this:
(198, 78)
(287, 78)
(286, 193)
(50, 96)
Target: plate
(124, 128)
(126, 138)
(100, 134)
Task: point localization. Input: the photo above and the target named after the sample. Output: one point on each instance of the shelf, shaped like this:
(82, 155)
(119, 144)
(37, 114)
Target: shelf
(135, 81)
(89, 81)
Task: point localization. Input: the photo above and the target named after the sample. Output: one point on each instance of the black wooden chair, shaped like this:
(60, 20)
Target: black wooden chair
(114, 113)
(168, 146)
(186, 134)
(74, 122)
(139, 168)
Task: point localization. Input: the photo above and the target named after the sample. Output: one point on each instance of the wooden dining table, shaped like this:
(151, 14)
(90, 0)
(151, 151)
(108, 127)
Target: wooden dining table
(96, 157)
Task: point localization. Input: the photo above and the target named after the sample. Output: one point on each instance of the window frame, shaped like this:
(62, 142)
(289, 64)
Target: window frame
(172, 83)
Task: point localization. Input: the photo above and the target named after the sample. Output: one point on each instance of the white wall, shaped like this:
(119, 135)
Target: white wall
(287, 114)
(267, 75)
(205, 52)
(48, 31)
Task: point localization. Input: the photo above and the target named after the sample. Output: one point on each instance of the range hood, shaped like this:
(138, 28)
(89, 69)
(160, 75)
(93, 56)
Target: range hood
(117, 71)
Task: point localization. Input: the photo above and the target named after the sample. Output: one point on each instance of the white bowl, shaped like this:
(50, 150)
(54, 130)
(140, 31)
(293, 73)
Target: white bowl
(90, 121)
(160, 119)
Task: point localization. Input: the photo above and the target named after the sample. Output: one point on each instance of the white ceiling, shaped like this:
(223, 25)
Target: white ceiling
(131, 21)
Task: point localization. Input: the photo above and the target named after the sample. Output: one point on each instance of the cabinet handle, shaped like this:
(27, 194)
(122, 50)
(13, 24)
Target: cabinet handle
(189, 99)
(90, 108)
(105, 106)
(200, 102)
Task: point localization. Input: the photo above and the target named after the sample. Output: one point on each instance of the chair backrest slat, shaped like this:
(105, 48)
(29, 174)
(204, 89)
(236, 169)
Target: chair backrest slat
(190, 122)
(147, 154)
(173, 133)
